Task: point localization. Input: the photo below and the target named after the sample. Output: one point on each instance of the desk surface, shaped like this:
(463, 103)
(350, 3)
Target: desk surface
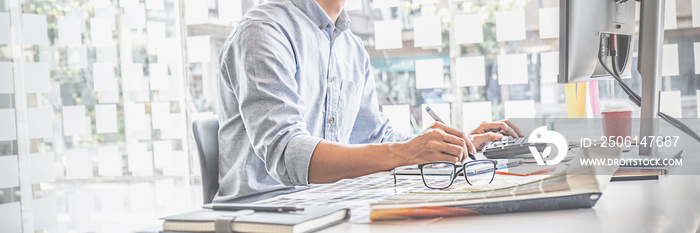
(671, 204)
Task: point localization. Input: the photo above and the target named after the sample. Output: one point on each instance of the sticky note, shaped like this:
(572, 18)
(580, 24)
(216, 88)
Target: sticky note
(9, 172)
(442, 110)
(469, 29)
(43, 167)
(6, 78)
(162, 152)
(155, 34)
(519, 109)
(548, 93)
(68, 30)
(34, 29)
(670, 103)
(549, 67)
(136, 16)
(176, 129)
(399, 117)
(108, 97)
(510, 25)
(575, 94)
(78, 164)
(160, 114)
(77, 58)
(11, 217)
(427, 32)
(429, 73)
(387, 35)
(106, 118)
(376, 4)
(7, 123)
(100, 3)
(198, 49)
(196, 12)
(696, 56)
(670, 60)
(697, 96)
(106, 14)
(101, 32)
(74, 121)
(594, 96)
(353, 5)
(695, 8)
(106, 54)
(132, 77)
(135, 116)
(549, 23)
(512, 69)
(41, 119)
(471, 71)
(158, 75)
(103, 77)
(170, 53)
(232, 10)
(109, 161)
(44, 212)
(670, 15)
(140, 160)
(37, 73)
(5, 28)
(128, 3)
(474, 113)
(159, 5)
(80, 205)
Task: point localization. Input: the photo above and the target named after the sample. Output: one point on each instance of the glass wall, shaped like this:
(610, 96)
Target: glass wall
(97, 96)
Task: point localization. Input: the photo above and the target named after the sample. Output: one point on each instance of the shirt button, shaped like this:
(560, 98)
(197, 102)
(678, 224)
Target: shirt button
(332, 79)
(330, 120)
(328, 25)
(320, 27)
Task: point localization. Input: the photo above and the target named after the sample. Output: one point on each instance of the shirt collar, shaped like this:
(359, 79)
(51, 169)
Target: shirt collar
(317, 15)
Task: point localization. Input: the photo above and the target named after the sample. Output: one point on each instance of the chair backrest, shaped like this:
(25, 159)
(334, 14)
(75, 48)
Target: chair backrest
(206, 135)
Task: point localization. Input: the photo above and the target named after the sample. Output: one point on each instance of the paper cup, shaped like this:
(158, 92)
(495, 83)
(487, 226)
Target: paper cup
(617, 120)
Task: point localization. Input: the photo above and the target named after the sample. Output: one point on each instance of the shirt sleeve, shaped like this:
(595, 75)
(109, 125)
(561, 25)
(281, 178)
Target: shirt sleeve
(371, 125)
(260, 66)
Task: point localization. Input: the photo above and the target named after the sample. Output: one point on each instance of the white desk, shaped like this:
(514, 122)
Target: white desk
(671, 204)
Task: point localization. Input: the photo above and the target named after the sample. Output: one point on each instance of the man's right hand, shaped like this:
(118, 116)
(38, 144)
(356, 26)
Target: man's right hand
(437, 143)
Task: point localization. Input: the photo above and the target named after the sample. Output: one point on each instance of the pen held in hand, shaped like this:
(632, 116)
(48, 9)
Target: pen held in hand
(438, 119)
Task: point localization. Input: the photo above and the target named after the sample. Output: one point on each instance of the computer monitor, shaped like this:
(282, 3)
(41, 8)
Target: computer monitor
(583, 23)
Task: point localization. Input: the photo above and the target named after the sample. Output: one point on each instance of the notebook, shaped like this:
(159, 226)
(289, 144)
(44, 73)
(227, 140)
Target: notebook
(310, 219)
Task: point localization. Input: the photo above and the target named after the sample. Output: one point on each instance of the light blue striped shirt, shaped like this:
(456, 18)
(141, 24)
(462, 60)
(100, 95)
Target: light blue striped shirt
(288, 79)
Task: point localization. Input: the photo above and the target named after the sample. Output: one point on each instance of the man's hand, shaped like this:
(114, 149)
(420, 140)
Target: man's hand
(504, 127)
(437, 143)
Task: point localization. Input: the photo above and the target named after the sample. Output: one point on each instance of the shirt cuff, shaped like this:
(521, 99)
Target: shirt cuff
(297, 156)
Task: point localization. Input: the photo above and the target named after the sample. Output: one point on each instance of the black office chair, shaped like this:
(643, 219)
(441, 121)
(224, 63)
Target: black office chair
(206, 135)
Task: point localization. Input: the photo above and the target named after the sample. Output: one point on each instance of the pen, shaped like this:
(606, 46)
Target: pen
(437, 118)
(258, 208)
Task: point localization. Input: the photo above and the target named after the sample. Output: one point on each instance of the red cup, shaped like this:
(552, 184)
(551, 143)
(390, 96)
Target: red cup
(617, 121)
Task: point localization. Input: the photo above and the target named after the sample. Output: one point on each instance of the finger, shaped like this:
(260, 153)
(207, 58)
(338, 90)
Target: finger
(454, 141)
(513, 127)
(453, 150)
(496, 127)
(469, 146)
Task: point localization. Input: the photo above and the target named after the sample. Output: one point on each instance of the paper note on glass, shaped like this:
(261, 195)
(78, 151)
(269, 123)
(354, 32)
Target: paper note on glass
(548, 93)
(429, 73)
(68, 30)
(106, 14)
(474, 113)
(549, 68)
(140, 160)
(594, 96)
(469, 29)
(78, 164)
(170, 52)
(196, 12)
(427, 32)
(77, 58)
(41, 119)
(670, 15)
(695, 7)
(9, 172)
(155, 34)
(198, 49)
(697, 96)
(106, 118)
(512, 69)
(549, 23)
(670, 60)
(160, 114)
(80, 204)
(158, 4)
(43, 167)
(510, 25)
(134, 116)
(443, 110)
(232, 10)
(158, 74)
(4, 28)
(101, 32)
(128, 3)
(471, 71)
(11, 217)
(110, 161)
(103, 76)
(44, 212)
(74, 121)
(670, 103)
(34, 29)
(37, 73)
(519, 109)
(7, 123)
(696, 55)
(387, 35)
(575, 94)
(106, 54)
(136, 16)
(162, 153)
(132, 77)
(399, 117)
(6, 76)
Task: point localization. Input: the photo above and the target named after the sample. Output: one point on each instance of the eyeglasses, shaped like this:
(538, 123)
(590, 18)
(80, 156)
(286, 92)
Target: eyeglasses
(441, 175)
